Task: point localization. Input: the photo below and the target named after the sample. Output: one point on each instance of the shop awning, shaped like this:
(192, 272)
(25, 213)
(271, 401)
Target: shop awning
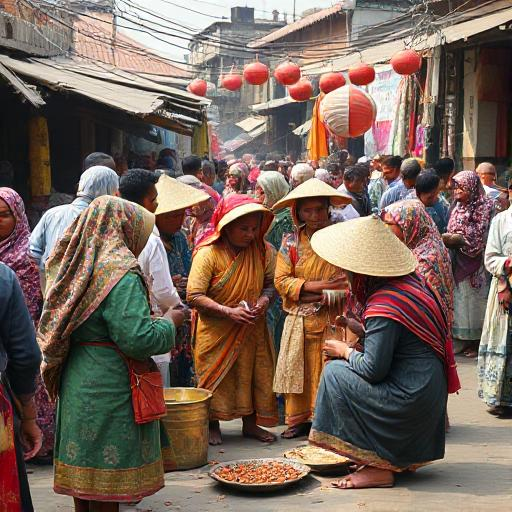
(481, 21)
(251, 123)
(303, 129)
(152, 102)
(27, 91)
(272, 104)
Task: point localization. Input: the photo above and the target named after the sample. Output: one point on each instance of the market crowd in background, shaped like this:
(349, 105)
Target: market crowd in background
(215, 270)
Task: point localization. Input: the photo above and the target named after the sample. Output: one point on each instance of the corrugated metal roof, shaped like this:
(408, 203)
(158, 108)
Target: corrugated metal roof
(27, 91)
(297, 25)
(272, 104)
(303, 129)
(448, 34)
(251, 123)
(140, 102)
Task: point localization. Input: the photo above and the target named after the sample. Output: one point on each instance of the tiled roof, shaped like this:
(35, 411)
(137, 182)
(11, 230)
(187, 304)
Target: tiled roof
(92, 40)
(297, 25)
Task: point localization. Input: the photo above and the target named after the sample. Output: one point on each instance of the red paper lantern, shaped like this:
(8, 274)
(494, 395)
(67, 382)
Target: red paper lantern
(406, 62)
(301, 91)
(232, 81)
(331, 81)
(198, 87)
(256, 73)
(348, 111)
(287, 73)
(361, 74)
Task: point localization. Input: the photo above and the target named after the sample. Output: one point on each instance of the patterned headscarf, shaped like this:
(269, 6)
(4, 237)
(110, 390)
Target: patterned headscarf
(14, 253)
(471, 220)
(94, 254)
(423, 239)
(274, 185)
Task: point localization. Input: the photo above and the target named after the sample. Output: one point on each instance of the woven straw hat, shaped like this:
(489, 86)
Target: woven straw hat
(244, 209)
(365, 246)
(313, 188)
(173, 195)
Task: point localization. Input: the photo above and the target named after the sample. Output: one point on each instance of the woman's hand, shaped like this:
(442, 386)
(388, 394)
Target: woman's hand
(31, 438)
(240, 315)
(176, 316)
(336, 283)
(336, 349)
(261, 306)
(355, 326)
(453, 241)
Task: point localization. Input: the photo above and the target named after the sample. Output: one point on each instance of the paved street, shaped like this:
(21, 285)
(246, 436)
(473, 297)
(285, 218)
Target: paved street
(475, 475)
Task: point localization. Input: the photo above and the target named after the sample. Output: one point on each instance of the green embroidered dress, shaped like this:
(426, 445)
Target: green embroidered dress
(100, 452)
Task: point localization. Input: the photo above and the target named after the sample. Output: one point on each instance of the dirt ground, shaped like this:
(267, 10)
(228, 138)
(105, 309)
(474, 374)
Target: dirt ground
(476, 474)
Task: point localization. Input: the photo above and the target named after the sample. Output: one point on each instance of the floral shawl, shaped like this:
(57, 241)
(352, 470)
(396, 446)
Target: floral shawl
(94, 254)
(471, 220)
(422, 238)
(15, 254)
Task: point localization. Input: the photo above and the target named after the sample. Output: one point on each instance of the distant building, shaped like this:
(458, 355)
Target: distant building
(222, 45)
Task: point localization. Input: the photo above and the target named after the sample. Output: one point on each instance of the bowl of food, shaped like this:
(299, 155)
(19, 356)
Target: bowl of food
(318, 459)
(259, 475)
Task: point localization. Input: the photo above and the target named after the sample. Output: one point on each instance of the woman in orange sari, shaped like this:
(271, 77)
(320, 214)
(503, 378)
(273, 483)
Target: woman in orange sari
(300, 278)
(230, 287)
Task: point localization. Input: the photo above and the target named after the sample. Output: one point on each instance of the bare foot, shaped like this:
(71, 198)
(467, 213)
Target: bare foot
(366, 477)
(296, 431)
(251, 430)
(214, 435)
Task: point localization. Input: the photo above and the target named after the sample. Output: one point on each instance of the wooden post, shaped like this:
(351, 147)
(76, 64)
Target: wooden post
(39, 156)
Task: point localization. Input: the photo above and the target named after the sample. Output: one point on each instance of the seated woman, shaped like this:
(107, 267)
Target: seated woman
(383, 408)
(230, 286)
(301, 276)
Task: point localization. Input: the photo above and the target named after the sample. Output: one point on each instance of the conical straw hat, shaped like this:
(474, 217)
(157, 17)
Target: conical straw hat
(245, 209)
(313, 188)
(365, 246)
(173, 195)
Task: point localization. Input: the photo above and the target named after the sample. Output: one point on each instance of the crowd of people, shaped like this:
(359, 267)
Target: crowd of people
(329, 295)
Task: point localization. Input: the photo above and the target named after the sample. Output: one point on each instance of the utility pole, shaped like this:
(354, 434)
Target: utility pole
(294, 2)
(114, 31)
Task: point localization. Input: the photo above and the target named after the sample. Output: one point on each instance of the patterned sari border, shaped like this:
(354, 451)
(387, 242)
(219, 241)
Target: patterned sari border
(358, 455)
(116, 485)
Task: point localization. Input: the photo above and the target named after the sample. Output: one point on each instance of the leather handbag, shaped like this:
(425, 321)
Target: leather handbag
(146, 383)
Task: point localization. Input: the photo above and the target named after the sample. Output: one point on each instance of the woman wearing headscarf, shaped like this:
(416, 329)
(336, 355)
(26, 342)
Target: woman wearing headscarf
(384, 408)
(14, 252)
(300, 173)
(230, 287)
(412, 224)
(300, 279)
(236, 180)
(197, 219)
(495, 353)
(96, 314)
(466, 236)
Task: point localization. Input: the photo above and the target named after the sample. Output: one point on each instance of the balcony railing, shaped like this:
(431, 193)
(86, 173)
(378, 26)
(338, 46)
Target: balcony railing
(33, 38)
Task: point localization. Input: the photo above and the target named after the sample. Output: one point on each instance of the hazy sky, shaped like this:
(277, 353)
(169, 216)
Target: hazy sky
(209, 11)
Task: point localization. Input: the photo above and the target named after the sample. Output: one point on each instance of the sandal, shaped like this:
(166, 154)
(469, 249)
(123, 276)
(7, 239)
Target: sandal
(362, 479)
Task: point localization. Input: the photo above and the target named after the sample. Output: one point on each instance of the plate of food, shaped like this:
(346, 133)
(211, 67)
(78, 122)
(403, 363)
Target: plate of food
(318, 459)
(259, 475)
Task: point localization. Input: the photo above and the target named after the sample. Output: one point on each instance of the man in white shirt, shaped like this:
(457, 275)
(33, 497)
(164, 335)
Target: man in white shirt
(140, 186)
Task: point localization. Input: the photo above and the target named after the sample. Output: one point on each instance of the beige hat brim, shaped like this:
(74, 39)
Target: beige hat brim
(174, 196)
(365, 246)
(313, 188)
(240, 211)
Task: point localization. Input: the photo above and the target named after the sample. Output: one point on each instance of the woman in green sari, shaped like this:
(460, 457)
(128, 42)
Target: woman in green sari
(96, 303)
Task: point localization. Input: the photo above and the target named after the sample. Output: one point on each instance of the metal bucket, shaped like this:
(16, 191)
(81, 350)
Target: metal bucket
(186, 424)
